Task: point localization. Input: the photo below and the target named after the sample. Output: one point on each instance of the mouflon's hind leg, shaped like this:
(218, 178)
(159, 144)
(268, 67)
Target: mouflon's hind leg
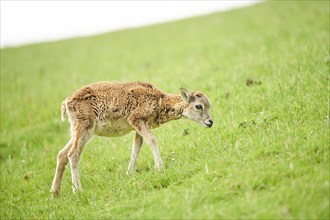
(82, 133)
(136, 147)
(62, 161)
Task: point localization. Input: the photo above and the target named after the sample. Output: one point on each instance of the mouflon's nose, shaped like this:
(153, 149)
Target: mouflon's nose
(210, 123)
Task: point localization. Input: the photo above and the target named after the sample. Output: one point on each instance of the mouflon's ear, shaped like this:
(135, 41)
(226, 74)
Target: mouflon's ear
(185, 94)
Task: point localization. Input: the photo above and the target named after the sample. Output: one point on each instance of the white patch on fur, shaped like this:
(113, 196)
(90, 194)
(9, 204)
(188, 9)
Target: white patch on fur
(113, 128)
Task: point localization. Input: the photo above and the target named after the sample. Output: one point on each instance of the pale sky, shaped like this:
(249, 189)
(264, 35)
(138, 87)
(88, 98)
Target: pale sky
(26, 22)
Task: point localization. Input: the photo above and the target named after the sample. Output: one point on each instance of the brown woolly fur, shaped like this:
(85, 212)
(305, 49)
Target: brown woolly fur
(114, 109)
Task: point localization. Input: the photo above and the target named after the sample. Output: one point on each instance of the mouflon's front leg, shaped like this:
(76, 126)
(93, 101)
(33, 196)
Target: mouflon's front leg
(143, 130)
(137, 144)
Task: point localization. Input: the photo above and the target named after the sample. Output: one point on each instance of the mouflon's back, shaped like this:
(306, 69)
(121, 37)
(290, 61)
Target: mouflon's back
(110, 100)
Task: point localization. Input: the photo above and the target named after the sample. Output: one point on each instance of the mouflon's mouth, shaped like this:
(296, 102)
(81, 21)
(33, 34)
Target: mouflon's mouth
(208, 124)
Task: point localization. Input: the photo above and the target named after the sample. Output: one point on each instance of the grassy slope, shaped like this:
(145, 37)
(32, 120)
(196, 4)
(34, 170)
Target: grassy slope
(267, 155)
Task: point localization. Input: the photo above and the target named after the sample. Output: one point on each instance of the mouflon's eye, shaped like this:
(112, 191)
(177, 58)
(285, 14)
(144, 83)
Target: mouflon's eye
(199, 107)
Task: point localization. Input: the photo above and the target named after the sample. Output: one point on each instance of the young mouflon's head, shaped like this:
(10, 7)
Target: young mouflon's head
(198, 108)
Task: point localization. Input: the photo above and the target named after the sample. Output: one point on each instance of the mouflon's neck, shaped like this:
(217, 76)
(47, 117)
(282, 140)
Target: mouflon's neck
(171, 108)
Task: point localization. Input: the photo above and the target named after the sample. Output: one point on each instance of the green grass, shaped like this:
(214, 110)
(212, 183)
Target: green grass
(267, 155)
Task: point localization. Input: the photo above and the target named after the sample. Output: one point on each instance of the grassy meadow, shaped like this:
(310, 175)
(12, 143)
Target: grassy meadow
(265, 69)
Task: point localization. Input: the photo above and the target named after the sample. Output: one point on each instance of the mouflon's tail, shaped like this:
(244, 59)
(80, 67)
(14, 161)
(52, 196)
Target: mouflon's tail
(63, 109)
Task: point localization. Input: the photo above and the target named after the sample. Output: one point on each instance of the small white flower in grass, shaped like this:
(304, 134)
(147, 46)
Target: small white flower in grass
(291, 166)
(173, 159)
(206, 169)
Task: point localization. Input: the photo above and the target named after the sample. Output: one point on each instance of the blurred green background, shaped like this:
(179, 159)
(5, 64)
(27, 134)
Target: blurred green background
(265, 69)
